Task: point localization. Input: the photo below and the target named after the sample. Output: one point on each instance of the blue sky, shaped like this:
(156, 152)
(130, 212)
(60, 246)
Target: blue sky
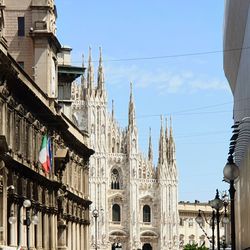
(191, 88)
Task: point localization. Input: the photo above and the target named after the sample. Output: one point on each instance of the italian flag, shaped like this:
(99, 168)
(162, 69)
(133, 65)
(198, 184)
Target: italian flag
(45, 154)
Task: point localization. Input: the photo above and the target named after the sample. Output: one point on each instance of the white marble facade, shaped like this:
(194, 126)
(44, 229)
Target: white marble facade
(136, 200)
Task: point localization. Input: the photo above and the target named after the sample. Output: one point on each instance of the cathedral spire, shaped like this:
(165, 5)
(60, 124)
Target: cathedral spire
(83, 79)
(113, 110)
(162, 144)
(90, 76)
(166, 130)
(167, 139)
(100, 79)
(131, 115)
(150, 148)
(171, 143)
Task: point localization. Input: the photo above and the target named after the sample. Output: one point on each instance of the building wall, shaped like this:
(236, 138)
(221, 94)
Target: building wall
(38, 48)
(189, 230)
(60, 196)
(237, 34)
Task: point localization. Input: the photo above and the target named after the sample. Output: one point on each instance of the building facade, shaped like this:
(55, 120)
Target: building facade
(136, 202)
(40, 208)
(190, 232)
(236, 68)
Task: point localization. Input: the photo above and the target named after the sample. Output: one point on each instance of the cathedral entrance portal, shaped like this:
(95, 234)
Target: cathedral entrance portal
(147, 246)
(117, 246)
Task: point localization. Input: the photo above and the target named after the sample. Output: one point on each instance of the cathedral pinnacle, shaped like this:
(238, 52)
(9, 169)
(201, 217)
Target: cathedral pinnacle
(90, 76)
(131, 118)
(171, 143)
(113, 110)
(83, 79)
(166, 130)
(162, 144)
(100, 79)
(171, 138)
(150, 148)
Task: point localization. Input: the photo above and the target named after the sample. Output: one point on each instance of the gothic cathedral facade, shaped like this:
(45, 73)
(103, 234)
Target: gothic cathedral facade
(136, 202)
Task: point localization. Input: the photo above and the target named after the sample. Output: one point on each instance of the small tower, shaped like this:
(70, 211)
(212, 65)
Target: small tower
(131, 114)
(150, 148)
(113, 111)
(132, 129)
(90, 75)
(162, 146)
(100, 78)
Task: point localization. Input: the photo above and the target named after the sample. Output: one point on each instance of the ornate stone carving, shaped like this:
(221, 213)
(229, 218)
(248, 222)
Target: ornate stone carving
(4, 92)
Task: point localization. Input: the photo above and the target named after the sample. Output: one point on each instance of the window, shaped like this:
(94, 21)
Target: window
(181, 222)
(202, 240)
(191, 239)
(115, 179)
(181, 239)
(190, 222)
(116, 213)
(146, 214)
(21, 26)
(21, 64)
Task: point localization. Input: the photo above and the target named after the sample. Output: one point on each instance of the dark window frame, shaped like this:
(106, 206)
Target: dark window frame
(146, 213)
(21, 26)
(116, 213)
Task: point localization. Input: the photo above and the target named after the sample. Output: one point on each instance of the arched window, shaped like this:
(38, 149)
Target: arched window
(191, 239)
(146, 214)
(202, 240)
(181, 239)
(116, 213)
(115, 179)
(190, 222)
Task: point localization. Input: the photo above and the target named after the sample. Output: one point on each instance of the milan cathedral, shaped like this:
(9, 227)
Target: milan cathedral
(136, 201)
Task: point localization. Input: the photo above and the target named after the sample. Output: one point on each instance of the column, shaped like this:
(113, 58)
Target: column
(78, 245)
(22, 228)
(86, 237)
(3, 204)
(13, 227)
(45, 231)
(40, 231)
(62, 239)
(82, 239)
(32, 231)
(73, 235)
(52, 226)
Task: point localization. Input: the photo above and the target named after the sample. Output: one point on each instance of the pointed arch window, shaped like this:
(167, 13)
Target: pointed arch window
(116, 213)
(115, 179)
(146, 213)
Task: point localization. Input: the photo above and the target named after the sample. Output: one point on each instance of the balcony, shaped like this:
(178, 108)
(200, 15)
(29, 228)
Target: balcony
(40, 25)
(41, 3)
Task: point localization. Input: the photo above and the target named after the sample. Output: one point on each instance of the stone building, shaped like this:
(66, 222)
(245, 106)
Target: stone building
(136, 201)
(236, 68)
(38, 209)
(190, 232)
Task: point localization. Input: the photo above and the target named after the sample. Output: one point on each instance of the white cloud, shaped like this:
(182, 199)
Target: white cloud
(164, 80)
(213, 84)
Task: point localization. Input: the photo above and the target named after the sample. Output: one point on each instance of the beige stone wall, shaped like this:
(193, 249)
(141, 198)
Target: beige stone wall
(35, 48)
(189, 230)
(21, 48)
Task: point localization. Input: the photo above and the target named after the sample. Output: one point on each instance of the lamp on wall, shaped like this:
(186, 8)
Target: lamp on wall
(95, 214)
(217, 204)
(231, 173)
(28, 220)
(12, 218)
(200, 220)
